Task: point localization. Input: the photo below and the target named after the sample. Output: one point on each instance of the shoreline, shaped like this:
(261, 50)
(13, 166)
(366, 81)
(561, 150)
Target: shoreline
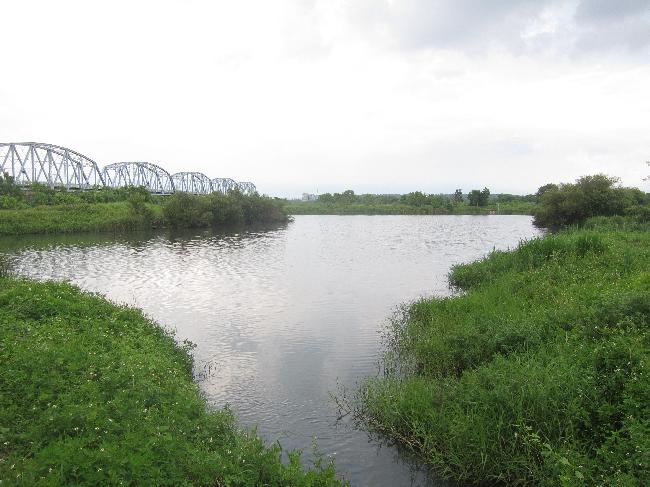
(95, 392)
(536, 373)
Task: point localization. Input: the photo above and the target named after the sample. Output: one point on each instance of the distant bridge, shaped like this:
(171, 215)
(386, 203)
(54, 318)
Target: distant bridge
(59, 167)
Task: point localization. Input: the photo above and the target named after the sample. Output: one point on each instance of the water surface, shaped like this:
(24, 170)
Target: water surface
(284, 316)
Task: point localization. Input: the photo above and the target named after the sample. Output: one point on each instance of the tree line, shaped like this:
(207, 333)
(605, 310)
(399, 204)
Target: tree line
(475, 197)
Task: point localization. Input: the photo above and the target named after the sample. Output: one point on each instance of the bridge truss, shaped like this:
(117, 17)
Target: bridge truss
(55, 166)
(247, 187)
(224, 185)
(151, 176)
(192, 182)
(60, 167)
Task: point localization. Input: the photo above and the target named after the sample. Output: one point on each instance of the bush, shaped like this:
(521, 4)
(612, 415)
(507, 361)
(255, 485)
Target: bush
(572, 204)
(183, 210)
(11, 203)
(226, 209)
(8, 187)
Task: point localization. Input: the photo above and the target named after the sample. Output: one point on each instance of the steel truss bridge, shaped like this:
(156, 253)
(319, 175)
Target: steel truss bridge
(59, 167)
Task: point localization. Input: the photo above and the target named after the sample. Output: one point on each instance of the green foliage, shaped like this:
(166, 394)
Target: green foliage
(479, 197)
(182, 210)
(8, 187)
(45, 210)
(96, 394)
(4, 266)
(572, 204)
(78, 217)
(11, 203)
(537, 374)
(414, 203)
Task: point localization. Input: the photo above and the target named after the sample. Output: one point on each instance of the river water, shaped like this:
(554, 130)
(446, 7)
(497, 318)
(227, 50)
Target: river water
(282, 317)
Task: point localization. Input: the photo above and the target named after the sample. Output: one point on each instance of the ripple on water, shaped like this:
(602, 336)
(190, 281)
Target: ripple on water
(283, 317)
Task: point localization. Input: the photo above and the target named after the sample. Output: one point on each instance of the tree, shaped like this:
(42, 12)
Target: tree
(326, 198)
(458, 196)
(572, 203)
(479, 198)
(416, 198)
(544, 189)
(485, 197)
(474, 196)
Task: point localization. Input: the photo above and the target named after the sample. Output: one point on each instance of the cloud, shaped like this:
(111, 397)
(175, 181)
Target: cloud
(607, 10)
(573, 28)
(623, 25)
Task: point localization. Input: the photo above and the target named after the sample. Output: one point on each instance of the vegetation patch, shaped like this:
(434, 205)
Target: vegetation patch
(476, 202)
(96, 394)
(40, 209)
(536, 373)
(590, 196)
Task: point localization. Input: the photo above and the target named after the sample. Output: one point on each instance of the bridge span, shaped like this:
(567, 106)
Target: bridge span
(60, 167)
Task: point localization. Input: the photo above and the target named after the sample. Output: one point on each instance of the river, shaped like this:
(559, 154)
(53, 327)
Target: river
(282, 317)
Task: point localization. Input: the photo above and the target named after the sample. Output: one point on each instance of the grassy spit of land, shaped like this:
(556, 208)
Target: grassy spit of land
(96, 394)
(42, 210)
(537, 373)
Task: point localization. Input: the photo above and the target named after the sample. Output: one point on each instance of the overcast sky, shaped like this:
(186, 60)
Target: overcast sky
(383, 96)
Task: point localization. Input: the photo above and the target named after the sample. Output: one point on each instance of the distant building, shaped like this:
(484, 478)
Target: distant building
(309, 197)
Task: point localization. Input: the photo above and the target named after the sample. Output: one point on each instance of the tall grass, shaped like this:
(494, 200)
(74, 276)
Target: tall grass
(80, 217)
(536, 374)
(4, 266)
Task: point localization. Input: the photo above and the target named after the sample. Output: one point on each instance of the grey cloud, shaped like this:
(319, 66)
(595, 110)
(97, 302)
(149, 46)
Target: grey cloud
(610, 10)
(596, 25)
(447, 23)
(605, 25)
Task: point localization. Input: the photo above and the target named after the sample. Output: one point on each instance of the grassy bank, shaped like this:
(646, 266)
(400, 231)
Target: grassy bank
(318, 208)
(57, 212)
(96, 394)
(79, 217)
(537, 374)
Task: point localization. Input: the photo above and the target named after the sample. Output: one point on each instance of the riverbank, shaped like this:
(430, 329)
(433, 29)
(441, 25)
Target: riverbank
(93, 393)
(138, 211)
(317, 208)
(537, 374)
(80, 217)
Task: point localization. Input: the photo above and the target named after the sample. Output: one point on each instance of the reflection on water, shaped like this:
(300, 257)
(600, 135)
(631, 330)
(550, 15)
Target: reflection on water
(282, 316)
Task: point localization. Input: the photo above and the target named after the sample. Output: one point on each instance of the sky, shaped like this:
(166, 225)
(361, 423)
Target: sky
(378, 96)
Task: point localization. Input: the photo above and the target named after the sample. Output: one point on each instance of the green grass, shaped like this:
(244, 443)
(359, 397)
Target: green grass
(318, 208)
(536, 374)
(141, 211)
(78, 217)
(96, 394)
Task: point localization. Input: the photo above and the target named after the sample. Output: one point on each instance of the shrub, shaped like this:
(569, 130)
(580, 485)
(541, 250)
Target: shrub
(226, 209)
(11, 203)
(8, 187)
(183, 210)
(572, 204)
